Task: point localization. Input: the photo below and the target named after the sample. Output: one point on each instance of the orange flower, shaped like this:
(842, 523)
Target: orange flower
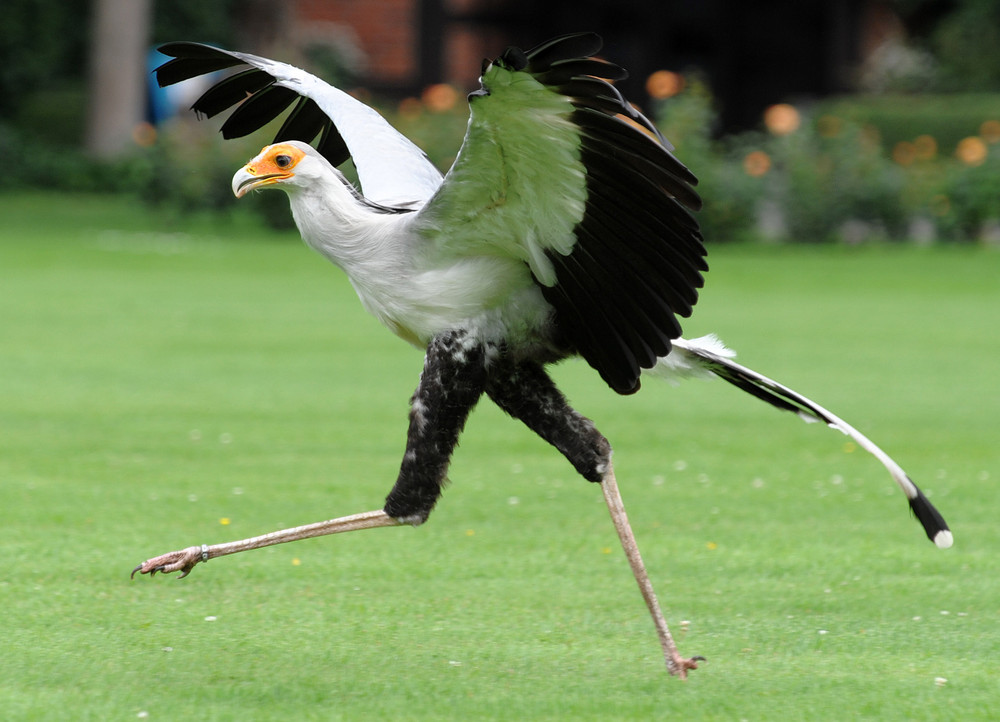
(440, 97)
(990, 131)
(782, 119)
(756, 163)
(144, 135)
(664, 84)
(972, 150)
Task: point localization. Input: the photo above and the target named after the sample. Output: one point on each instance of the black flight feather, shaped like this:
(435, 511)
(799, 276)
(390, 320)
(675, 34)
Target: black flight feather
(231, 91)
(638, 258)
(332, 145)
(565, 47)
(604, 351)
(608, 303)
(256, 98)
(642, 306)
(563, 71)
(191, 60)
(304, 122)
(258, 110)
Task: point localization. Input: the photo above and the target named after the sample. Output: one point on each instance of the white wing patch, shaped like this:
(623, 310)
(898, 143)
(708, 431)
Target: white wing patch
(392, 170)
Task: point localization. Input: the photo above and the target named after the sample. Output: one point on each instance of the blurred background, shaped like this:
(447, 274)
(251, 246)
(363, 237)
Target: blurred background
(807, 120)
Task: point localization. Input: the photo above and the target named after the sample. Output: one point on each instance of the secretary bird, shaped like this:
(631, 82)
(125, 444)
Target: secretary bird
(564, 228)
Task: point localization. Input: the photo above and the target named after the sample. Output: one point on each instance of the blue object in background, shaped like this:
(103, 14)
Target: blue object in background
(164, 103)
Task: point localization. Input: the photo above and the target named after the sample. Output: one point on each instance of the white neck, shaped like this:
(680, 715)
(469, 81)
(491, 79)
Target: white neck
(354, 236)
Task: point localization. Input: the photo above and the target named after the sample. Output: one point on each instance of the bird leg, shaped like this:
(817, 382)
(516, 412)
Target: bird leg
(525, 391)
(452, 381)
(184, 560)
(676, 664)
(456, 372)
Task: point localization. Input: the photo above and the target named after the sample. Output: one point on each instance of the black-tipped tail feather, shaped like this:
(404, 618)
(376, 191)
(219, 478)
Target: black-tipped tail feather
(934, 524)
(712, 356)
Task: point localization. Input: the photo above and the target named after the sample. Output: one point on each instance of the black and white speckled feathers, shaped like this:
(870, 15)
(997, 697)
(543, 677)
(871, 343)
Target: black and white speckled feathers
(457, 371)
(453, 379)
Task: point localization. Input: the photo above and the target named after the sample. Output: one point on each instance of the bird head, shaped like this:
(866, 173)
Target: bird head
(285, 164)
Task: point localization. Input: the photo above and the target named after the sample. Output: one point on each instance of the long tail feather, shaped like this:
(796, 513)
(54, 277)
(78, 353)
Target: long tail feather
(707, 355)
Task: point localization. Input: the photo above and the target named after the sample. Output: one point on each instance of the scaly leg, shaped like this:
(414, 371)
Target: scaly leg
(450, 385)
(184, 560)
(676, 664)
(526, 392)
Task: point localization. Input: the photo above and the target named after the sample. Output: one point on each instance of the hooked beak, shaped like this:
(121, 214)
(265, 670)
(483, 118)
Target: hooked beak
(247, 179)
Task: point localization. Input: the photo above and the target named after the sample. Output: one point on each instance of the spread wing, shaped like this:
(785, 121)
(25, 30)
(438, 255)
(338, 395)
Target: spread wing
(558, 170)
(391, 169)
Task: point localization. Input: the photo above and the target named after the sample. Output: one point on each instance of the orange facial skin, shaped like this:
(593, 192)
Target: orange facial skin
(273, 164)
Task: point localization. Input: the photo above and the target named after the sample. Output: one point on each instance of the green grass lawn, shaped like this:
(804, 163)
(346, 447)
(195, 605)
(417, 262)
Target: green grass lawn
(164, 384)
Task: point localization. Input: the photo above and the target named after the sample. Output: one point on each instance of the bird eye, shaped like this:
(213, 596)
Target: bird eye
(283, 161)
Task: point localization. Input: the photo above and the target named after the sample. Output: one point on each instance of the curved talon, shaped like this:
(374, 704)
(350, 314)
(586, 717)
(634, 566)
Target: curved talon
(680, 665)
(180, 561)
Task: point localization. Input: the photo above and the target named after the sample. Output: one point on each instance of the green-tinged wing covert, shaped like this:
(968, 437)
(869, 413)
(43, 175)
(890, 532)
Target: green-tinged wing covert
(559, 171)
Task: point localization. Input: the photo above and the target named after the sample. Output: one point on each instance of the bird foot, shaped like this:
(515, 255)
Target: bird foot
(678, 666)
(183, 560)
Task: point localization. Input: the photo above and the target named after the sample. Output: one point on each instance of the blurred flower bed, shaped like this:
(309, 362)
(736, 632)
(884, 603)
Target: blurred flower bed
(852, 170)
(837, 171)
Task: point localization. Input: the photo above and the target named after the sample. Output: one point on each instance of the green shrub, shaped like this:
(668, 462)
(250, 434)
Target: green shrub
(832, 175)
(948, 118)
(968, 201)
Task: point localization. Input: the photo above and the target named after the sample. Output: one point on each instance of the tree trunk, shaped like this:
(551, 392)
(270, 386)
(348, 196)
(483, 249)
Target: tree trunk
(118, 74)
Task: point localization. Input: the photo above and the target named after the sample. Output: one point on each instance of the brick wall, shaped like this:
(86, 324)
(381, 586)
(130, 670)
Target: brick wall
(386, 31)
